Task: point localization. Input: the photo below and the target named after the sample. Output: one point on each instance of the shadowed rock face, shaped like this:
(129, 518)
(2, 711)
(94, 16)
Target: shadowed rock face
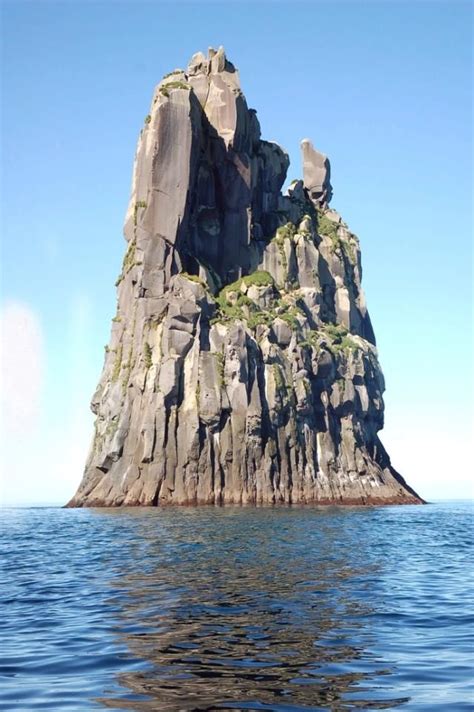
(242, 365)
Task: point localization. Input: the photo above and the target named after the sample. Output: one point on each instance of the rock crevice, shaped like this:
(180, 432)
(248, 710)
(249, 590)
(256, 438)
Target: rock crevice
(242, 365)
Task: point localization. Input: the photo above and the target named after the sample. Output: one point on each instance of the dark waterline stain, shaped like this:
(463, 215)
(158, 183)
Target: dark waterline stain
(236, 608)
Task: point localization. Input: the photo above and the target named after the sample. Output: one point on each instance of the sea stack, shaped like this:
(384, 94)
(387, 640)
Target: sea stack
(242, 366)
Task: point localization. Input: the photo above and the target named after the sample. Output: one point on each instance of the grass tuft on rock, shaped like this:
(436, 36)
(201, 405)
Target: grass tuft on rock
(194, 278)
(129, 257)
(147, 354)
(327, 227)
(232, 302)
(139, 204)
(220, 360)
(117, 364)
(341, 339)
(173, 73)
(165, 89)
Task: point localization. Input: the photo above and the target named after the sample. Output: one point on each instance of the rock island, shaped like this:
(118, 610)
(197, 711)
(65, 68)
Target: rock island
(242, 365)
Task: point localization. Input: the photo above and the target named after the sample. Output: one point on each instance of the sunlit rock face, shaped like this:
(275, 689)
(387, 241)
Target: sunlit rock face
(242, 365)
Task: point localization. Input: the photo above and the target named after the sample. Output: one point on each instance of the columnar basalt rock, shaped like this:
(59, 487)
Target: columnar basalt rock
(242, 365)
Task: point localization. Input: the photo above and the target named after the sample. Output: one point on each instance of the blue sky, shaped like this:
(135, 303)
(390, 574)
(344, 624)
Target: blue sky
(382, 87)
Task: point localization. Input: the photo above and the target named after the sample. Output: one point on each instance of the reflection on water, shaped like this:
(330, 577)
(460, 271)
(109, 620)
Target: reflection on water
(235, 608)
(248, 605)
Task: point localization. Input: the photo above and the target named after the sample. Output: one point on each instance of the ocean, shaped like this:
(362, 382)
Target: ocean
(232, 608)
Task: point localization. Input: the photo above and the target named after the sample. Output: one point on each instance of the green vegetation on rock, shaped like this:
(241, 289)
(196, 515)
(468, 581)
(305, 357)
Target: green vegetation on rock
(139, 204)
(280, 381)
(335, 331)
(220, 359)
(348, 343)
(194, 278)
(327, 227)
(155, 321)
(233, 304)
(175, 71)
(127, 368)
(111, 428)
(165, 89)
(285, 232)
(147, 354)
(231, 307)
(290, 316)
(341, 339)
(117, 364)
(260, 318)
(129, 257)
(261, 278)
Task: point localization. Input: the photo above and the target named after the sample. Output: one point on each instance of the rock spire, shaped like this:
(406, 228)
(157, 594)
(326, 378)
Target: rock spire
(242, 365)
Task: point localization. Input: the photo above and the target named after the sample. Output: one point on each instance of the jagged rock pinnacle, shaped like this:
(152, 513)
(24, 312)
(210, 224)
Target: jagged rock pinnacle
(242, 365)
(316, 174)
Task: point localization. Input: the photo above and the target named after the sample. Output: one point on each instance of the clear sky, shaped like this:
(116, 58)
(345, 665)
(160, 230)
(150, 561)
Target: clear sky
(384, 88)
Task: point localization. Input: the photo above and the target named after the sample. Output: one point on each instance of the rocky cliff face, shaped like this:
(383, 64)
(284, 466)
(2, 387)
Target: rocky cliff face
(242, 365)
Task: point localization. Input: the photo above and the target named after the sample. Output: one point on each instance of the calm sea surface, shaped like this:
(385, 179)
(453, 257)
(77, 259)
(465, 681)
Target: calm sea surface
(247, 609)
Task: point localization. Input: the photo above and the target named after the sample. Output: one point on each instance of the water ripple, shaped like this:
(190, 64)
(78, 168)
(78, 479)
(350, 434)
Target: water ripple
(236, 608)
